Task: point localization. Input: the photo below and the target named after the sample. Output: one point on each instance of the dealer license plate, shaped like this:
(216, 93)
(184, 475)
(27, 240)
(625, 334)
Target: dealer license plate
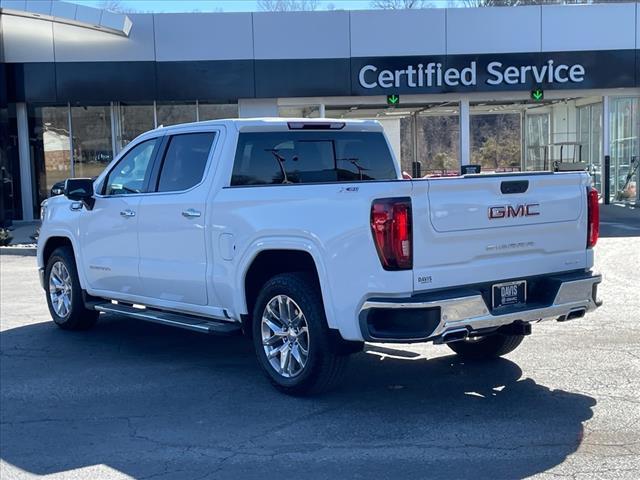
(509, 294)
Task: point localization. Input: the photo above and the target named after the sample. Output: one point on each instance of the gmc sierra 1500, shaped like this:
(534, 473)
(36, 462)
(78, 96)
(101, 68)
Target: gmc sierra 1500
(304, 235)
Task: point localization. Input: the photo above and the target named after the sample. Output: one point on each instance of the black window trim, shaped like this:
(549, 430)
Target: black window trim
(156, 170)
(145, 190)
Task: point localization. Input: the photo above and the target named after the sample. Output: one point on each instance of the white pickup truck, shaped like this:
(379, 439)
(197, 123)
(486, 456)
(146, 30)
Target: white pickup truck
(303, 235)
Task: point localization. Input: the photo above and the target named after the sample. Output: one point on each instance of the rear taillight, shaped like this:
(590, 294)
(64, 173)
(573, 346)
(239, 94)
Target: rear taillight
(593, 217)
(391, 228)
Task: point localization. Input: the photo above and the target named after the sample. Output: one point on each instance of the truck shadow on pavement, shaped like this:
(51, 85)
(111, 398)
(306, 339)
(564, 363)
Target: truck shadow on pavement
(150, 401)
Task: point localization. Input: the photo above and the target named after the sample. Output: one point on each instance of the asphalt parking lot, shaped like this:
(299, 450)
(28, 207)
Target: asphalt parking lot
(136, 400)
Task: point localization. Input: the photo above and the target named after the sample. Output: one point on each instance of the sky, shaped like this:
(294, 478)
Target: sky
(223, 5)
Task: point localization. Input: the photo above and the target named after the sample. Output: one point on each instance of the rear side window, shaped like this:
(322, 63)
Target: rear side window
(268, 158)
(184, 161)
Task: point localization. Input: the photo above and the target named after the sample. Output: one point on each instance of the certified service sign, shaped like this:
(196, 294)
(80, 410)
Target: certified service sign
(493, 72)
(435, 74)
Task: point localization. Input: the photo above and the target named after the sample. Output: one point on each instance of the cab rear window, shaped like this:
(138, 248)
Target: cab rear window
(274, 158)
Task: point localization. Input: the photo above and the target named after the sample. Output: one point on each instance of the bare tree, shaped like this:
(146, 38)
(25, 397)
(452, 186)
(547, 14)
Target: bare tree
(493, 3)
(288, 5)
(399, 4)
(116, 6)
(513, 3)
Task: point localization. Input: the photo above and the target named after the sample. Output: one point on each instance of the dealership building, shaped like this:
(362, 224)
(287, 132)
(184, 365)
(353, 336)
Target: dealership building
(509, 88)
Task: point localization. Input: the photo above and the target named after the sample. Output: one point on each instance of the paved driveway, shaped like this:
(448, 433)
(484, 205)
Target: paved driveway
(131, 399)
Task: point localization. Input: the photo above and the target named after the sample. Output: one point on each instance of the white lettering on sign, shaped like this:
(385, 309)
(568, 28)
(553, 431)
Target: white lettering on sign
(434, 74)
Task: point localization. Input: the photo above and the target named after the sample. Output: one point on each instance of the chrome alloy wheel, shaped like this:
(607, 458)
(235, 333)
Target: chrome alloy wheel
(285, 336)
(60, 289)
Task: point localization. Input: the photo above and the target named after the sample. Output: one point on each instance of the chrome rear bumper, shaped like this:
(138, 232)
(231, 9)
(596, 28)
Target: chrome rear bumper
(575, 296)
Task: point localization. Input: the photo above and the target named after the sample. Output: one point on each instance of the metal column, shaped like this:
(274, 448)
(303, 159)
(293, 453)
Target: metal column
(465, 144)
(24, 152)
(605, 174)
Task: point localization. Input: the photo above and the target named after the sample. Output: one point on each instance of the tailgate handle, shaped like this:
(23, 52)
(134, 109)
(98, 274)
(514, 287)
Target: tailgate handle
(514, 186)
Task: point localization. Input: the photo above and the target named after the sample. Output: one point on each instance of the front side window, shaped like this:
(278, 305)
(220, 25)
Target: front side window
(130, 174)
(185, 161)
(267, 158)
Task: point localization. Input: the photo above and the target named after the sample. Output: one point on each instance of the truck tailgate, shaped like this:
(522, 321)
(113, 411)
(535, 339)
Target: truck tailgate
(493, 227)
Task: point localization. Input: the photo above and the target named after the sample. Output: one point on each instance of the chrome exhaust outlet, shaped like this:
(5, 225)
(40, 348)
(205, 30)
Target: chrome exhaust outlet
(455, 335)
(573, 314)
(576, 313)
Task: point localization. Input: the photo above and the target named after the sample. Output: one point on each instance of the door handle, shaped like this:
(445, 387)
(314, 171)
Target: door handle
(127, 213)
(191, 213)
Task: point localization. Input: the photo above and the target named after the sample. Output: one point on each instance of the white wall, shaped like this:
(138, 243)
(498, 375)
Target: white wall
(257, 107)
(392, 129)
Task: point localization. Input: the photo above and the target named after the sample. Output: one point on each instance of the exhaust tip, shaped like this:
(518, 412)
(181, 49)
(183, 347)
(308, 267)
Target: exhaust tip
(573, 314)
(455, 335)
(576, 314)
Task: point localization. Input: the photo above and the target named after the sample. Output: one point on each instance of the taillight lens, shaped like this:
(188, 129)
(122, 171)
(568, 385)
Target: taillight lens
(593, 217)
(391, 228)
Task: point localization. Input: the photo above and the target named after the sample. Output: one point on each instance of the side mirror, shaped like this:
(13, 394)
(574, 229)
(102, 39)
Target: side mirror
(80, 190)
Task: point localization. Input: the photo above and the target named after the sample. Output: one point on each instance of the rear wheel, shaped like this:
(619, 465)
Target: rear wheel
(291, 338)
(64, 294)
(483, 348)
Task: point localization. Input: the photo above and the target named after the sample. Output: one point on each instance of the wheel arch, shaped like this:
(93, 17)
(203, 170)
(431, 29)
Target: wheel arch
(58, 240)
(272, 258)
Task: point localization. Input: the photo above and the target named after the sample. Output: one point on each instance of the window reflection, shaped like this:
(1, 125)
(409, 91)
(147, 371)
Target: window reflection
(537, 141)
(438, 142)
(92, 147)
(496, 141)
(211, 111)
(135, 119)
(51, 144)
(173, 113)
(625, 147)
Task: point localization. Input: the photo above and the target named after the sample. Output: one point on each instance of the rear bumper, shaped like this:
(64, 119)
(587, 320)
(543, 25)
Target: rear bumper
(449, 313)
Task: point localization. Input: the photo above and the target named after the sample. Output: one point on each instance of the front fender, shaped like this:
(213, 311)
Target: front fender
(61, 233)
(284, 243)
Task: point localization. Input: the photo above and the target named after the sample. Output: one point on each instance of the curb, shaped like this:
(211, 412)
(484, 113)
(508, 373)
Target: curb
(19, 251)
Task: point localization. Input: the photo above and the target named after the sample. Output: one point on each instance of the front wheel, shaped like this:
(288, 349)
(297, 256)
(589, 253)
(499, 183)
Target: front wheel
(484, 348)
(64, 294)
(291, 337)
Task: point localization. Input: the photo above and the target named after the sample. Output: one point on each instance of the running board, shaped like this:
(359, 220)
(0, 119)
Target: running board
(189, 322)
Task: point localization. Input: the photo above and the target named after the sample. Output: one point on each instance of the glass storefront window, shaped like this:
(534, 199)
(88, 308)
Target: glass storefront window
(51, 146)
(536, 141)
(134, 120)
(589, 132)
(407, 159)
(212, 111)
(10, 200)
(92, 147)
(173, 113)
(438, 142)
(496, 141)
(625, 147)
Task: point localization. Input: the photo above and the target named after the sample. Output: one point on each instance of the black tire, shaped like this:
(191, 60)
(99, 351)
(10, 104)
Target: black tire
(78, 316)
(485, 348)
(326, 361)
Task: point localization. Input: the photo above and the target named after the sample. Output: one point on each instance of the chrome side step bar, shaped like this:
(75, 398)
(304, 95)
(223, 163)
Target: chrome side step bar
(189, 322)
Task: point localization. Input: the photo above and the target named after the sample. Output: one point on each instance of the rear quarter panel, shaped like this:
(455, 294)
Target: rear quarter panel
(330, 221)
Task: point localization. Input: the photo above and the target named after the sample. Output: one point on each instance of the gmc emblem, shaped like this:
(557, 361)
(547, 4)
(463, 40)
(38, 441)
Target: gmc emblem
(510, 211)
